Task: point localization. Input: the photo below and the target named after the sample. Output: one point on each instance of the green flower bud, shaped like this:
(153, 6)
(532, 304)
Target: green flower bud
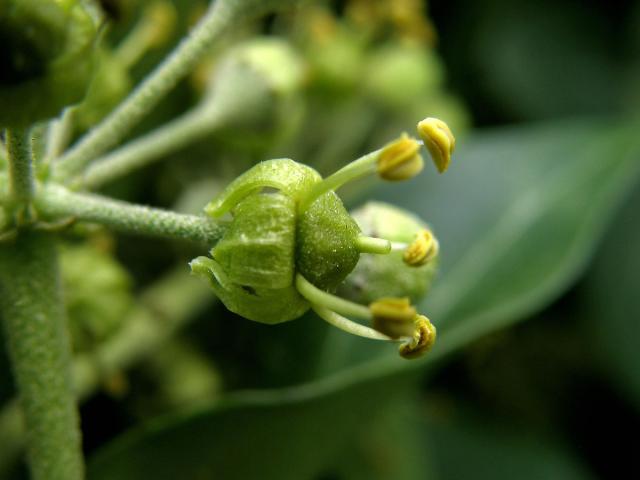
(378, 276)
(399, 74)
(290, 243)
(47, 57)
(268, 241)
(257, 86)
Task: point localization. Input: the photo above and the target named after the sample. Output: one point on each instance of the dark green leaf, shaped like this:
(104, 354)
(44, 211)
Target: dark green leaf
(610, 297)
(297, 434)
(468, 446)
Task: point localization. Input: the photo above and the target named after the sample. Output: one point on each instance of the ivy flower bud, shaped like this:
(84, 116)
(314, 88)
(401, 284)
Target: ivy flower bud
(290, 243)
(378, 276)
(400, 160)
(393, 316)
(256, 87)
(439, 140)
(423, 338)
(47, 57)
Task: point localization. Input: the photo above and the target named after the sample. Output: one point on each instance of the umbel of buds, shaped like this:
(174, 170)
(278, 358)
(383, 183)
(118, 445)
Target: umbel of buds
(290, 243)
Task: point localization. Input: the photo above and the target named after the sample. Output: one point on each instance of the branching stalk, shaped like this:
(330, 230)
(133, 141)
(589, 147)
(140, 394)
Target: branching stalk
(152, 146)
(58, 203)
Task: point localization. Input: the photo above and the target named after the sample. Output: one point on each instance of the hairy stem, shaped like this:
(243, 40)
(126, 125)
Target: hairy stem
(163, 309)
(35, 326)
(152, 146)
(58, 203)
(21, 180)
(58, 135)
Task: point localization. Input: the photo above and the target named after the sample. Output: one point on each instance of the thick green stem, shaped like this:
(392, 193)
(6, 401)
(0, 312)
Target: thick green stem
(21, 180)
(163, 309)
(58, 203)
(152, 146)
(39, 349)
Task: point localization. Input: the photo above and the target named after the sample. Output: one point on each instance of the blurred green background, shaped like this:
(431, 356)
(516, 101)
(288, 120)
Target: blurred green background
(536, 373)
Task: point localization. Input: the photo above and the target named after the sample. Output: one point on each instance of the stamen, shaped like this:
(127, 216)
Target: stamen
(347, 325)
(439, 141)
(423, 338)
(422, 250)
(373, 245)
(399, 246)
(400, 160)
(359, 168)
(320, 298)
(393, 316)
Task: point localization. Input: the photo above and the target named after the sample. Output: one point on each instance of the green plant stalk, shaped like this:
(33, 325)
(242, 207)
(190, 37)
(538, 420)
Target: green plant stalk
(58, 135)
(152, 146)
(58, 203)
(21, 179)
(40, 353)
(162, 310)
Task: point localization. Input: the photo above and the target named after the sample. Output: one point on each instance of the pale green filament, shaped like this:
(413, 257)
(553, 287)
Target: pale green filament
(373, 245)
(347, 325)
(319, 298)
(359, 168)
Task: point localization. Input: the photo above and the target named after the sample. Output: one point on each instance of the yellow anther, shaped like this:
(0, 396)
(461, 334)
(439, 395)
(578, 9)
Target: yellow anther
(422, 250)
(439, 141)
(422, 339)
(393, 316)
(400, 159)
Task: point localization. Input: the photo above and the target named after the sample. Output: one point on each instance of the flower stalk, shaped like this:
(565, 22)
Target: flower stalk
(56, 203)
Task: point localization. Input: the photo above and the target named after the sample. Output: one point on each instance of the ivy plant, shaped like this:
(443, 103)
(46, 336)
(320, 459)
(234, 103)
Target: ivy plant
(270, 238)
